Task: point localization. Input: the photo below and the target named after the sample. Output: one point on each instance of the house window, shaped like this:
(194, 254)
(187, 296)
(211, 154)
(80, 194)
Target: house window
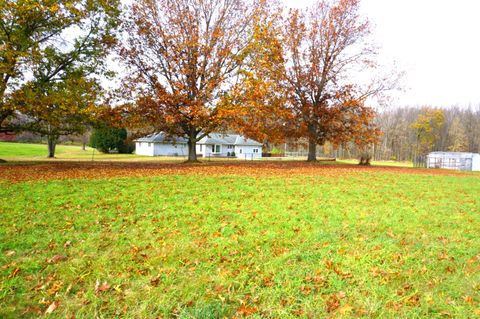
(230, 147)
(240, 151)
(139, 144)
(217, 148)
(200, 147)
(213, 148)
(255, 150)
(149, 144)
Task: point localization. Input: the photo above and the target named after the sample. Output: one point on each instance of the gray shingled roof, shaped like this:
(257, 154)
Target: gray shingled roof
(162, 138)
(228, 139)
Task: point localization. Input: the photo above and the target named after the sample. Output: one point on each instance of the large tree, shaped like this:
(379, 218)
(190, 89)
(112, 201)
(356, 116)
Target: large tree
(182, 56)
(257, 104)
(428, 127)
(75, 28)
(54, 49)
(58, 108)
(324, 44)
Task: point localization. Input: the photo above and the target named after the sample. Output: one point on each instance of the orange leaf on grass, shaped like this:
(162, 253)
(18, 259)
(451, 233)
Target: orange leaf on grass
(246, 311)
(101, 287)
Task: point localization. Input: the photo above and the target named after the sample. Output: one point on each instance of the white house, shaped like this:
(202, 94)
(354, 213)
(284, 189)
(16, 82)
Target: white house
(454, 160)
(212, 145)
(219, 144)
(159, 144)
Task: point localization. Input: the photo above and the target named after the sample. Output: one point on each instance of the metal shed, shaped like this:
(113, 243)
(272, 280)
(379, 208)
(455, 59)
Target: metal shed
(454, 160)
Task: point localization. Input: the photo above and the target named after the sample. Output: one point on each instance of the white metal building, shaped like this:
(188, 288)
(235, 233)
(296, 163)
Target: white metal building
(212, 145)
(454, 160)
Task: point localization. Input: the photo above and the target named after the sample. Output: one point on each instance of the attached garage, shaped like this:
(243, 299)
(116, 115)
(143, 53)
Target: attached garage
(454, 160)
(160, 144)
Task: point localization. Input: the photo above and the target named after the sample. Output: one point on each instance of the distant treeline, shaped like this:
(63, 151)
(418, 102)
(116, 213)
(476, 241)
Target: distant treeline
(408, 132)
(412, 131)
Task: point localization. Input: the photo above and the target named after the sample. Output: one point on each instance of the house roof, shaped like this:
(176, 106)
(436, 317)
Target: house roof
(162, 138)
(228, 139)
(212, 138)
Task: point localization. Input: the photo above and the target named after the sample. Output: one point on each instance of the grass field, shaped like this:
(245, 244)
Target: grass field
(261, 240)
(38, 152)
(15, 152)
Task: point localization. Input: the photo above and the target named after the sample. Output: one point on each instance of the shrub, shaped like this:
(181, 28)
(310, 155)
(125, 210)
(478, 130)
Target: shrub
(126, 148)
(108, 139)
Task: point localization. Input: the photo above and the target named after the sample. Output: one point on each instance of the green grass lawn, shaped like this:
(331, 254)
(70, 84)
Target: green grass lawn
(364, 245)
(38, 152)
(12, 150)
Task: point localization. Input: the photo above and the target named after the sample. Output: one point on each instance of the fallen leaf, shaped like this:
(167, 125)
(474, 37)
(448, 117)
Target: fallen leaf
(450, 301)
(345, 309)
(444, 256)
(299, 312)
(341, 295)
(10, 253)
(332, 303)
(246, 311)
(52, 307)
(14, 273)
(54, 288)
(474, 259)
(57, 258)
(413, 300)
(155, 281)
(101, 287)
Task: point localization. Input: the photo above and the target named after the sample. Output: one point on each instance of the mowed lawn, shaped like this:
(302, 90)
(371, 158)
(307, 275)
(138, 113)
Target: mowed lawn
(346, 244)
(25, 152)
(38, 152)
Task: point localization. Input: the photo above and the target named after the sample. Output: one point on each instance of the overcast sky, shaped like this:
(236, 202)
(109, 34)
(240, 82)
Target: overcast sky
(436, 42)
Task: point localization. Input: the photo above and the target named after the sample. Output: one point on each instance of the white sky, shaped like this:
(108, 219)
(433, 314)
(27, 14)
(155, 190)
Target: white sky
(436, 42)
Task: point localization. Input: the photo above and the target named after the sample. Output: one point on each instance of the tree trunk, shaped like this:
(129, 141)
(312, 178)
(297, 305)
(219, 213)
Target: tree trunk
(52, 143)
(192, 150)
(312, 150)
(84, 146)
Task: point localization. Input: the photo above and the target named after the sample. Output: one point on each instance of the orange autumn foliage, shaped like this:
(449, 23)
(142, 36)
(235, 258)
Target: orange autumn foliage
(322, 43)
(182, 56)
